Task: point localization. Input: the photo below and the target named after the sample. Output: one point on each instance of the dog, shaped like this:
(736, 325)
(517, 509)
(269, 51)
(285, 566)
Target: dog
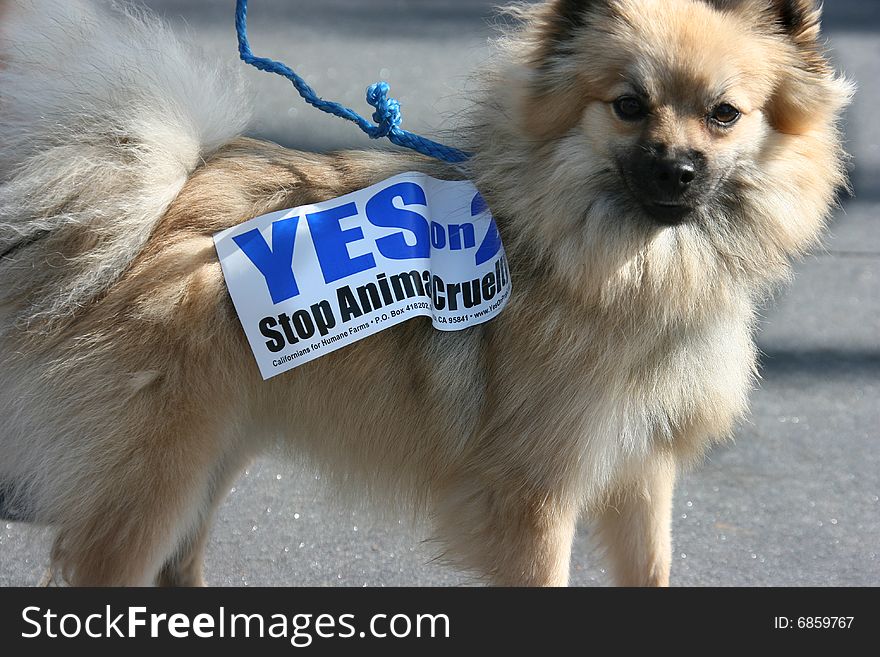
(653, 166)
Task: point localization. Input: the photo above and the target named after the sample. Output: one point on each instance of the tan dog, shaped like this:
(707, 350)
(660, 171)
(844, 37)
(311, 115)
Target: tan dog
(653, 166)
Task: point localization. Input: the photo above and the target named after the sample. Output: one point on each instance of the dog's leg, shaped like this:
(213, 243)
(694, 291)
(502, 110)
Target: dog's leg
(636, 527)
(186, 567)
(511, 539)
(532, 548)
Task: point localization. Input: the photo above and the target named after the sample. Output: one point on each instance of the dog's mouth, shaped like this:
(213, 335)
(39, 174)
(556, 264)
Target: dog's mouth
(668, 213)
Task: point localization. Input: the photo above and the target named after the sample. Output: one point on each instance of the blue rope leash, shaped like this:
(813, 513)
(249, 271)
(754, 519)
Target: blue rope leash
(387, 115)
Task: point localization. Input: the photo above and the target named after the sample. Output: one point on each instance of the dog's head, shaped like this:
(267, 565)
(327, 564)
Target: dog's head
(715, 119)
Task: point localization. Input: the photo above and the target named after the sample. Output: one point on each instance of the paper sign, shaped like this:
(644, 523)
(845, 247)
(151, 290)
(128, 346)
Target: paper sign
(308, 281)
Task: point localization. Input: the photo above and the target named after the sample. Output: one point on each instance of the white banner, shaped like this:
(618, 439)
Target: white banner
(311, 280)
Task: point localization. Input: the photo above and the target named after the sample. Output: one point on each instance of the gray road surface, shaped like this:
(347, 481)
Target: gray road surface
(793, 502)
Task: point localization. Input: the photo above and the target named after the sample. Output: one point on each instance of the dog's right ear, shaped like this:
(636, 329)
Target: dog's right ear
(552, 102)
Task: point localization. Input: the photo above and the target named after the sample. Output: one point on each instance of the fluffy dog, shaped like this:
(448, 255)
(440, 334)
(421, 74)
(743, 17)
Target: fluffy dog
(653, 167)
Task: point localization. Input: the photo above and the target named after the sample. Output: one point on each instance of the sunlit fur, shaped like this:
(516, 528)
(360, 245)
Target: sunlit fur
(129, 396)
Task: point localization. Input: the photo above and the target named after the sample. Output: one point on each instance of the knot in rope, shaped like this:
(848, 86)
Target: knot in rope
(387, 115)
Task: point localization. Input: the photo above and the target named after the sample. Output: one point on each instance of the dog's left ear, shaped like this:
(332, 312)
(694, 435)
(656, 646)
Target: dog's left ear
(800, 20)
(808, 93)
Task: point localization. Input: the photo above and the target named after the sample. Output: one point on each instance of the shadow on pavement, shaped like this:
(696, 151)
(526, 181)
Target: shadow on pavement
(826, 364)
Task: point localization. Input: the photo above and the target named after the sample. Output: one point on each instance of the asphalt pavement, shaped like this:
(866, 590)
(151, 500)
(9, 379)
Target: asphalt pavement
(793, 501)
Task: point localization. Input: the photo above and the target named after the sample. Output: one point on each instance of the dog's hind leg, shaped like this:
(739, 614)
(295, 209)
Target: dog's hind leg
(124, 538)
(129, 508)
(635, 528)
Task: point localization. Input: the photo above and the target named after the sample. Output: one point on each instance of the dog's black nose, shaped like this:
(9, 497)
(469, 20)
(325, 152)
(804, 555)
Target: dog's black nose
(674, 175)
(669, 183)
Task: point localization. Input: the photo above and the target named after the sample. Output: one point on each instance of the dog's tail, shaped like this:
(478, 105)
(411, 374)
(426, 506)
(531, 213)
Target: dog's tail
(104, 113)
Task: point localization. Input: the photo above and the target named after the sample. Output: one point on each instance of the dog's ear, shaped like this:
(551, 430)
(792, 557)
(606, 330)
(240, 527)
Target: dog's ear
(552, 105)
(800, 21)
(809, 93)
(560, 22)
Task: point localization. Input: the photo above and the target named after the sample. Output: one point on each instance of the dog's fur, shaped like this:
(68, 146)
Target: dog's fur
(130, 399)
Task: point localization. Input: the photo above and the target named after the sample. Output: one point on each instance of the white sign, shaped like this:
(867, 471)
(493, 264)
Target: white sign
(311, 280)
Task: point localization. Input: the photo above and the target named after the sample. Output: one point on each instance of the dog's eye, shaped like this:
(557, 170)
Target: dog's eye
(630, 108)
(725, 114)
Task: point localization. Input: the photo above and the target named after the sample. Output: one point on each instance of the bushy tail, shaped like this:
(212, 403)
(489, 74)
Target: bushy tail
(104, 113)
